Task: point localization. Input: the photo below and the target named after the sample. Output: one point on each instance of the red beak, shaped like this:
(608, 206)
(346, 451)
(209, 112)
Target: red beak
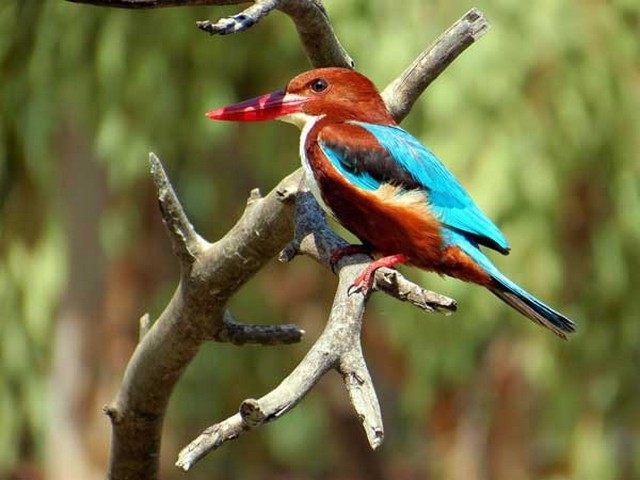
(266, 107)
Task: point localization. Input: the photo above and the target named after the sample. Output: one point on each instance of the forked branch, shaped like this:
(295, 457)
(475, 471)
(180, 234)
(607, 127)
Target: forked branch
(309, 16)
(197, 313)
(402, 93)
(211, 273)
(338, 347)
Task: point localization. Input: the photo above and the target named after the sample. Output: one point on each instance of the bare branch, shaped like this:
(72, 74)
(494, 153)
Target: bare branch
(186, 243)
(337, 348)
(242, 333)
(209, 277)
(394, 284)
(309, 16)
(241, 21)
(209, 440)
(312, 23)
(362, 394)
(141, 4)
(320, 43)
(401, 94)
(340, 337)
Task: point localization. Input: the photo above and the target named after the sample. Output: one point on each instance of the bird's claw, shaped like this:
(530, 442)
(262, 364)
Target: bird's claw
(362, 283)
(353, 289)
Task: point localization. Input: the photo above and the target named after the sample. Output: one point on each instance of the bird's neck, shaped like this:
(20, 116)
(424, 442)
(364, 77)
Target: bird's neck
(306, 123)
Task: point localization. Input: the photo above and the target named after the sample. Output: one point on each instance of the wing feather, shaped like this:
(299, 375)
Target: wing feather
(370, 155)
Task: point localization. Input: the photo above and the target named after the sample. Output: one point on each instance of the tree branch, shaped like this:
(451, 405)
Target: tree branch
(243, 333)
(321, 45)
(212, 273)
(241, 21)
(401, 94)
(312, 23)
(337, 348)
(186, 243)
(329, 351)
(146, 4)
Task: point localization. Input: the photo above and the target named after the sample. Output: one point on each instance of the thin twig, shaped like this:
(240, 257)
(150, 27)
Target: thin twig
(146, 4)
(312, 23)
(241, 21)
(186, 242)
(244, 333)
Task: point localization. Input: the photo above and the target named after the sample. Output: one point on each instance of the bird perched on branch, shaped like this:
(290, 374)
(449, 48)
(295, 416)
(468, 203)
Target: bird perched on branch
(385, 187)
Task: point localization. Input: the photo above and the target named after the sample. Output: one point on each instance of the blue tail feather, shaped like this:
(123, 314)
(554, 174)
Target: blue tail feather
(530, 306)
(512, 294)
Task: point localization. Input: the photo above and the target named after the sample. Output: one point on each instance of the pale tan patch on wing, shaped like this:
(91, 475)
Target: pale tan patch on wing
(403, 224)
(394, 195)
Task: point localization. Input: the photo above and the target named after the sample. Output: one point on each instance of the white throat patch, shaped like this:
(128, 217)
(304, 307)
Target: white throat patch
(306, 123)
(299, 119)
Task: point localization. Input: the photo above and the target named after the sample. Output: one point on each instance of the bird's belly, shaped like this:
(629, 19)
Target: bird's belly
(392, 221)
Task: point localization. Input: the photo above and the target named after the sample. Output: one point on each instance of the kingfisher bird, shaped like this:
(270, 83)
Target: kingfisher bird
(385, 187)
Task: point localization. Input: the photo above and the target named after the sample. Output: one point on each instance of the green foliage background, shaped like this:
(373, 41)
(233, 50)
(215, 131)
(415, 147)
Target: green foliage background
(539, 120)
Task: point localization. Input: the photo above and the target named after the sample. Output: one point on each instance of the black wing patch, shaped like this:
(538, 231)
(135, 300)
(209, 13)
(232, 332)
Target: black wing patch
(378, 164)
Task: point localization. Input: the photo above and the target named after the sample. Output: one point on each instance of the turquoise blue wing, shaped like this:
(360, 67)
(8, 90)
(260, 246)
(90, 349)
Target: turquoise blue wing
(397, 157)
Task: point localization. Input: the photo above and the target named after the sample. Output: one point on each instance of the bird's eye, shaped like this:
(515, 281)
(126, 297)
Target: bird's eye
(319, 85)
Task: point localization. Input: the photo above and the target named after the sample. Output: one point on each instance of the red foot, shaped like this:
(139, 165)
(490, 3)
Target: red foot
(338, 253)
(364, 281)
